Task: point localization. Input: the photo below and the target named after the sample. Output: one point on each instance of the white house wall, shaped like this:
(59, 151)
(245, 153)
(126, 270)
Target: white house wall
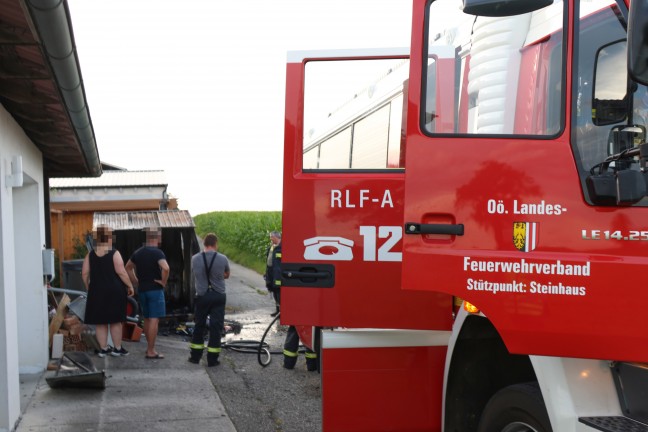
(23, 297)
(33, 332)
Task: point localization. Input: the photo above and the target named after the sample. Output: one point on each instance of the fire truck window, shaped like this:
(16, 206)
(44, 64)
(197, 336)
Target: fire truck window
(370, 140)
(310, 158)
(493, 75)
(430, 96)
(354, 114)
(598, 28)
(396, 132)
(335, 150)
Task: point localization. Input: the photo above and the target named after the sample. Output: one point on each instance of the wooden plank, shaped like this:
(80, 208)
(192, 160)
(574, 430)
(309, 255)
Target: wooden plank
(67, 226)
(57, 320)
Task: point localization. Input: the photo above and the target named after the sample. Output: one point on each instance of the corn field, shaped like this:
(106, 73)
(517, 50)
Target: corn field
(242, 235)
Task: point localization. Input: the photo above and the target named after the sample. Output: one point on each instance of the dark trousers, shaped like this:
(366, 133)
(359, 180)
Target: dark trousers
(276, 294)
(291, 344)
(210, 304)
(291, 351)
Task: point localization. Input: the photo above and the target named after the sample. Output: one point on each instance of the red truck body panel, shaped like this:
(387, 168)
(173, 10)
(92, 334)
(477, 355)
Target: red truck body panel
(488, 185)
(363, 290)
(552, 271)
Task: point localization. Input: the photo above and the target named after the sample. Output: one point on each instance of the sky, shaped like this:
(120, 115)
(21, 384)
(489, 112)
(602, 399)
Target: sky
(196, 87)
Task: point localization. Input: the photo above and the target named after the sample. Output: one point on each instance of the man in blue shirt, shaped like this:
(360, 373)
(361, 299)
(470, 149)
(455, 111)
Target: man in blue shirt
(149, 271)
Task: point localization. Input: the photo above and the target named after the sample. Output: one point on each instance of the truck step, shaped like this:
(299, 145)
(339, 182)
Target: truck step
(614, 424)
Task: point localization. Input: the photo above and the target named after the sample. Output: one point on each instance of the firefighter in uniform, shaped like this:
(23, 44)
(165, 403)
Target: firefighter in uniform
(273, 270)
(291, 350)
(273, 283)
(210, 269)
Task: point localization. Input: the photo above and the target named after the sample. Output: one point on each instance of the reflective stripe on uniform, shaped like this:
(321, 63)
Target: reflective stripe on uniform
(196, 346)
(289, 353)
(278, 255)
(278, 282)
(213, 350)
(310, 355)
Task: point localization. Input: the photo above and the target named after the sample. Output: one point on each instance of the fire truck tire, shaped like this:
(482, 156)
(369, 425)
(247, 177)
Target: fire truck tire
(516, 408)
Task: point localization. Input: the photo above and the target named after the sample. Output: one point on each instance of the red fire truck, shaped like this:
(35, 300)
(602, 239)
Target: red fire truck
(466, 224)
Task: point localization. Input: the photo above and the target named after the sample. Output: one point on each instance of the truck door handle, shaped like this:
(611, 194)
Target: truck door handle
(303, 274)
(448, 229)
(308, 275)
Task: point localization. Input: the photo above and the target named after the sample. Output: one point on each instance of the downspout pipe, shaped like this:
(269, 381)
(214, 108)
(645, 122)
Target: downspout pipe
(54, 29)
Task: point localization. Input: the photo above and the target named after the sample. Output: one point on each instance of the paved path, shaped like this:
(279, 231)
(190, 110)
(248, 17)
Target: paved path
(258, 398)
(175, 395)
(140, 395)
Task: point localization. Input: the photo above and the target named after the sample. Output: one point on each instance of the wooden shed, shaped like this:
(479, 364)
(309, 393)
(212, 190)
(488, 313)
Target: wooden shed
(73, 202)
(179, 243)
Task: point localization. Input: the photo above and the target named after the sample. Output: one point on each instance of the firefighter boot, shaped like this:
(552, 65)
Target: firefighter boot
(212, 357)
(311, 361)
(276, 312)
(195, 353)
(290, 359)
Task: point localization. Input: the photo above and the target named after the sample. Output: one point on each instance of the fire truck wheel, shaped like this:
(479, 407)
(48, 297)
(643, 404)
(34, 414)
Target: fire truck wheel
(516, 408)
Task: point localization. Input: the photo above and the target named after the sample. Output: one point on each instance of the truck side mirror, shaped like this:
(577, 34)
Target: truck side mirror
(622, 188)
(631, 187)
(610, 92)
(502, 8)
(638, 41)
(623, 137)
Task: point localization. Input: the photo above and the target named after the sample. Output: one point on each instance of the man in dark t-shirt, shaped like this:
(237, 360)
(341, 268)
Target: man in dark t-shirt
(149, 271)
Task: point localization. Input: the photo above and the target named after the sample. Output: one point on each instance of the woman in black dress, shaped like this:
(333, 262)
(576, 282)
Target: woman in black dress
(108, 286)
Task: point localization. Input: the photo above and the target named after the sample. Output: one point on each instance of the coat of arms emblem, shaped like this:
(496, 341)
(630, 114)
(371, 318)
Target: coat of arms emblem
(525, 236)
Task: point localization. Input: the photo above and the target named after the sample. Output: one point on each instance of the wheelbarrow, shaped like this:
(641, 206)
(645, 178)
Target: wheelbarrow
(75, 369)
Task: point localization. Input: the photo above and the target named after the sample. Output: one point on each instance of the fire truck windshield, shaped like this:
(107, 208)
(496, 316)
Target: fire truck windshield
(505, 76)
(488, 62)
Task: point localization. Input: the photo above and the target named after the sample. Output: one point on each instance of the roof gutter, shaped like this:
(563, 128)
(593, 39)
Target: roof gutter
(54, 27)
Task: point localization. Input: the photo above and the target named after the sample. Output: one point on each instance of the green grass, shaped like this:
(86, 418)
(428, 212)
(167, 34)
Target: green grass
(242, 235)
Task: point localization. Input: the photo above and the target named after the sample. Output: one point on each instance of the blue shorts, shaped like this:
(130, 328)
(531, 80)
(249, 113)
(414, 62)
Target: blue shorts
(152, 303)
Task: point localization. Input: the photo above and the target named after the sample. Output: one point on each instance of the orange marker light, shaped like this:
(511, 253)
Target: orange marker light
(471, 308)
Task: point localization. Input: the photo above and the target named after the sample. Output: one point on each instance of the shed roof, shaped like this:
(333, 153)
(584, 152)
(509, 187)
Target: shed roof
(112, 179)
(142, 219)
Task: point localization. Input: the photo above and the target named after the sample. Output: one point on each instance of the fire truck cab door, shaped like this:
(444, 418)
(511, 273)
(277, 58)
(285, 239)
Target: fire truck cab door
(343, 194)
(497, 212)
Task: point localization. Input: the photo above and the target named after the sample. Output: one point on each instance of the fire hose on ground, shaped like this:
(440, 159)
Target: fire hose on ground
(260, 348)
